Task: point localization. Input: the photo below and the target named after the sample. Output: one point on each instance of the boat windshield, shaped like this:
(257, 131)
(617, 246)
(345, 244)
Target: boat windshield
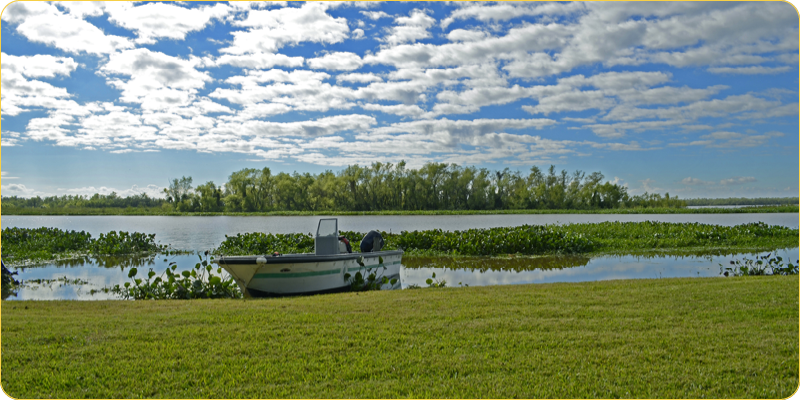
(327, 240)
(327, 227)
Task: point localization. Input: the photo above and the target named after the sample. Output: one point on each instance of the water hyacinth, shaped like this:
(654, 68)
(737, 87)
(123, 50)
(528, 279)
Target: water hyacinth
(540, 239)
(199, 282)
(24, 245)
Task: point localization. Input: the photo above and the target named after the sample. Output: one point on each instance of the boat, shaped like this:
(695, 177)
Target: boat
(329, 269)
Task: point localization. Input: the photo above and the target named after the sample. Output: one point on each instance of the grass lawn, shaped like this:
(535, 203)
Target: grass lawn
(694, 337)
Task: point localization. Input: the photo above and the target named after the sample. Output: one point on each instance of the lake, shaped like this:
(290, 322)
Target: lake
(202, 233)
(76, 279)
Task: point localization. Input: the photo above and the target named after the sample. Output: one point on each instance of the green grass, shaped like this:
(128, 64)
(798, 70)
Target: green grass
(161, 211)
(674, 338)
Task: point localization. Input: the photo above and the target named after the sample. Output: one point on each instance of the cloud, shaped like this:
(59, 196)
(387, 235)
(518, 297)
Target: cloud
(738, 180)
(4, 176)
(694, 181)
(18, 189)
(571, 101)
(506, 11)
(154, 191)
(648, 185)
(410, 29)
(44, 23)
(758, 70)
(255, 61)
(464, 35)
(336, 61)
(280, 82)
(157, 80)
(162, 20)
(375, 15)
(39, 65)
(269, 30)
(726, 139)
(10, 139)
(359, 78)
(320, 127)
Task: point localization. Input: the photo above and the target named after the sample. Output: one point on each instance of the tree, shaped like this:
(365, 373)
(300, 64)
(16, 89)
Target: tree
(178, 189)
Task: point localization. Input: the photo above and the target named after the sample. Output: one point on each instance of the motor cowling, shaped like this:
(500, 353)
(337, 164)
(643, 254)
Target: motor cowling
(343, 240)
(372, 241)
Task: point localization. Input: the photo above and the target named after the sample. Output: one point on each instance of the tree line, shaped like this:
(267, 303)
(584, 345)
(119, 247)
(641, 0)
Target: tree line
(378, 187)
(112, 200)
(743, 201)
(387, 186)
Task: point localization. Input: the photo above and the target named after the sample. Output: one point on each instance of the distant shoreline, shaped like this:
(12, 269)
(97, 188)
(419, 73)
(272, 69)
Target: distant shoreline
(157, 211)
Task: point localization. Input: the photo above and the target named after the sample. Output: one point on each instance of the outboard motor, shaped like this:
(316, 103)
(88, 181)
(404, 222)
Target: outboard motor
(344, 245)
(372, 241)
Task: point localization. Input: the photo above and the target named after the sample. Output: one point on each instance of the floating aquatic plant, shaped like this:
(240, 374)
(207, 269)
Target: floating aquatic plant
(26, 245)
(761, 265)
(199, 282)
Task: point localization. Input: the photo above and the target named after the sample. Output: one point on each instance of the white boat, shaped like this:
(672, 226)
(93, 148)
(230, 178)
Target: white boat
(324, 271)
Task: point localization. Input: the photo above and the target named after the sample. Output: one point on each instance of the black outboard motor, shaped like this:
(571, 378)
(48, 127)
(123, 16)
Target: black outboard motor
(372, 241)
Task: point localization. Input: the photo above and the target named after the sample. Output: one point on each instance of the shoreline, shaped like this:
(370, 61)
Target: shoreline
(619, 211)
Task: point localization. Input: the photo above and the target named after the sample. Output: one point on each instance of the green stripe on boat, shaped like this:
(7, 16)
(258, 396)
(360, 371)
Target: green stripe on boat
(312, 273)
(297, 274)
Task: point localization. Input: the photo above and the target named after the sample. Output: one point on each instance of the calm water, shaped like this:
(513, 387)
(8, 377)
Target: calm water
(201, 233)
(76, 279)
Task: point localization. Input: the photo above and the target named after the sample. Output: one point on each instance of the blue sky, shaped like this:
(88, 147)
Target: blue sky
(698, 99)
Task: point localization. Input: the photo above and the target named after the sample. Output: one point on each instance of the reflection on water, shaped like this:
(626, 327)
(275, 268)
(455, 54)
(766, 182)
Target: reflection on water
(121, 262)
(484, 264)
(479, 271)
(83, 279)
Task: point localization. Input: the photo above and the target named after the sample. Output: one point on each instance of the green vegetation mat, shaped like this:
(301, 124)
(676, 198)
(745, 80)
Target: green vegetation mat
(27, 245)
(585, 238)
(660, 338)
(9, 210)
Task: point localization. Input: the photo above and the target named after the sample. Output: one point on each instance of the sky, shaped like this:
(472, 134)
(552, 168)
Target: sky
(697, 99)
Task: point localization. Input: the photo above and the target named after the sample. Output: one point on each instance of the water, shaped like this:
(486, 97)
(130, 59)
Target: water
(76, 279)
(201, 233)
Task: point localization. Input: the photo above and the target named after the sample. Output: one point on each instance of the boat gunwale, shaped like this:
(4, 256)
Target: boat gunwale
(301, 258)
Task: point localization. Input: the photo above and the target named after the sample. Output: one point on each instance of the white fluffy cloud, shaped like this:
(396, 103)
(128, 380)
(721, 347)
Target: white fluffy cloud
(507, 11)
(44, 23)
(163, 20)
(411, 28)
(345, 61)
(490, 82)
(156, 80)
(39, 65)
(269, 30)
(20, 94)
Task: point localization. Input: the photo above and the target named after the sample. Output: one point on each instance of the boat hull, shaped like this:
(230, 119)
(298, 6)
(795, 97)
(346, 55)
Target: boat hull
(294, 274)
